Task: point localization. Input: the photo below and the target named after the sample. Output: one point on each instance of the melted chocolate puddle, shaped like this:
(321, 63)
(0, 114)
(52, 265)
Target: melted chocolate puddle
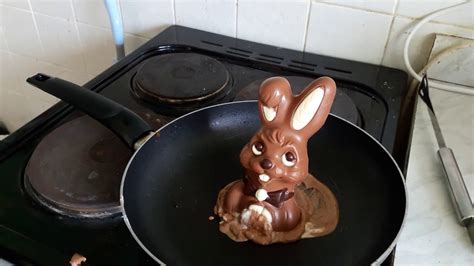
(320, 215)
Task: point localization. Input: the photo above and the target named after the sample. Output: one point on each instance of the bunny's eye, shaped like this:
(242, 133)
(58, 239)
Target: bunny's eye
(288, 159)
(257, 148)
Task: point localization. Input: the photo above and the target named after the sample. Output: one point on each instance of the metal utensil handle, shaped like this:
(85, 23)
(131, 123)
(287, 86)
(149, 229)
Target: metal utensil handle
(424, 93)
(457, 188)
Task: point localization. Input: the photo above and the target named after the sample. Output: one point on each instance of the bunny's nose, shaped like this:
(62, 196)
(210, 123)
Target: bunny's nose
(266, 164)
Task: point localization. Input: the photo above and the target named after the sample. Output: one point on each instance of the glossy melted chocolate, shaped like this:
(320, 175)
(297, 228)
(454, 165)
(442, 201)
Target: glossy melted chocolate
(319, 209)
(278, 200)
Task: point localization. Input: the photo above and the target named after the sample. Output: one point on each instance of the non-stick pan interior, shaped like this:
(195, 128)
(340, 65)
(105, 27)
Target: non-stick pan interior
(172, 183)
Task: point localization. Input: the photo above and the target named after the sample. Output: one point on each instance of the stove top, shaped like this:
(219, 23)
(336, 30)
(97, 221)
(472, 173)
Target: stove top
(181, 79)
(61, 172)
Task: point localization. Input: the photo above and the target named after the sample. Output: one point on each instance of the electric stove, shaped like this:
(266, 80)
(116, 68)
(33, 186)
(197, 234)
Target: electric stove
(61, 172)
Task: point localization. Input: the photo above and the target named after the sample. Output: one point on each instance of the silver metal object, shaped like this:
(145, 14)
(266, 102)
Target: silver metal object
(144, 139)
(470, 230)
(457, 187)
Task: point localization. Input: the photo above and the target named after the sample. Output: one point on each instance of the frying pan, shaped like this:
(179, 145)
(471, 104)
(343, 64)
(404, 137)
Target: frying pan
(171, 183)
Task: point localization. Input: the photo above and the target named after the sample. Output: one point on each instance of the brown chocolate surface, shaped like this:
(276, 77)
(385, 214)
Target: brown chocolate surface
(319, 209)
(265, 206)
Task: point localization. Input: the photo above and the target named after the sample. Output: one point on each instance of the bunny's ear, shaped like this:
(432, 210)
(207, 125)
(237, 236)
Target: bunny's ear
(274, 100)
(313, 106)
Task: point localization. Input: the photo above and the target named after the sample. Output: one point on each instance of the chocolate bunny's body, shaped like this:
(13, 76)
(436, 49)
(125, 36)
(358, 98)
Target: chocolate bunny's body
(276, 161)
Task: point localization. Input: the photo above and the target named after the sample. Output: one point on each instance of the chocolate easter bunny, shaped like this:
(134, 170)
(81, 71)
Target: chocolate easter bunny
(275, 162)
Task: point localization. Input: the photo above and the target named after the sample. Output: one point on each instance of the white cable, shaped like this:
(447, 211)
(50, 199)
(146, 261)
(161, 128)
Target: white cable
(414, 83)
(406, 60)
(445, 53)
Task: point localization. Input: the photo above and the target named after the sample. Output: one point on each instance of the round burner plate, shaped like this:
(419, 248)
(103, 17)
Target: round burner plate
(77, 168)
(180, 78)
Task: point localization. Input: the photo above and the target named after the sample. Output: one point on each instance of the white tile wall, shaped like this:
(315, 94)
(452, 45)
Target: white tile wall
(147, 18)
(23, 4)
(280, 22)
(413, 9)
(13, 109)
(1, 109)
(421, 43)
(457, 68)
(3, 42)
(55, 8)
(25, 67)
(20, 31)
(14, 103)
(8, 80)
(347, 33)
(60, 40)
(202, 14)
(72, 38)
(100, 52)
(382, 6)
(132, 42)
(91, 12)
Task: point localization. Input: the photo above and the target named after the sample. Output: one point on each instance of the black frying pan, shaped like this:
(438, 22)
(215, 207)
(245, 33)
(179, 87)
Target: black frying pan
(171, 183)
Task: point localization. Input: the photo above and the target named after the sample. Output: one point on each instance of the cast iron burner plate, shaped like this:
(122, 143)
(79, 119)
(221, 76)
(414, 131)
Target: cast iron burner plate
(180, 78)
(82, 178)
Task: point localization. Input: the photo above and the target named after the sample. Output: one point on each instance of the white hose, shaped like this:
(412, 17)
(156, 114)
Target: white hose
(445, 53)
(406, 60)
(414, 83)
(115, 17)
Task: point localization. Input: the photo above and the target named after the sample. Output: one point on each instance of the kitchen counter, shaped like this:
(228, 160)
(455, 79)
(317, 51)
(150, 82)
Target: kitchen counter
(432, 235)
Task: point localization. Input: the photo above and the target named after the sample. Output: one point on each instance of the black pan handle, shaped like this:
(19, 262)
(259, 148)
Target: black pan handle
(125, 123)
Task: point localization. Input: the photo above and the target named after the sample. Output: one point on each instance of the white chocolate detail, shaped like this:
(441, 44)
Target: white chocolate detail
(263, 177)
(259, 210)
(261, 194)
(307, 109)
(269, 113)
(245, 216)
(256, 208)
(255, 151)
(310, 230)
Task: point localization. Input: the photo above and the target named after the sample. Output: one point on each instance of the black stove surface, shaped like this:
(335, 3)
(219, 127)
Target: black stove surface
(30, 231)
(178, 79)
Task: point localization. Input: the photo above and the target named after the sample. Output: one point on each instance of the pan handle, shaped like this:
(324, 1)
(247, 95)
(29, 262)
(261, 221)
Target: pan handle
(126, 124)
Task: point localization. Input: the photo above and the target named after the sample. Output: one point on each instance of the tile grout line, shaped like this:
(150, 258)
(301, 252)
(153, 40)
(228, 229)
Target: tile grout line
(108, 29)
(5, 40)
(37, 13)
(10, 61)
(305, 34)
(47, 63)
(324, 3)
(352, 7)
(396, 15)
(134, 35)
(65, 19)
(81, 44)
(236, 17)
(15, 79)
(36, 28)
(390, 30)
